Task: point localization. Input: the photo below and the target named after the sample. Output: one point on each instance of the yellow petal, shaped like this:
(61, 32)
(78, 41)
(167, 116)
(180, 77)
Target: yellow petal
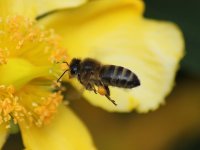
(66, 131)
(23, 72)
(118, 34)
(3, 135)
(74, 23)
(32, 8)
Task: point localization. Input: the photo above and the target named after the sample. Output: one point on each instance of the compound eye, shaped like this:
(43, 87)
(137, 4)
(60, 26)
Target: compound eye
(74, 71)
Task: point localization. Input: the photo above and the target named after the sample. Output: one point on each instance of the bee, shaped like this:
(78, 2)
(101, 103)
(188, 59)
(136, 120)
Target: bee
(91, 73)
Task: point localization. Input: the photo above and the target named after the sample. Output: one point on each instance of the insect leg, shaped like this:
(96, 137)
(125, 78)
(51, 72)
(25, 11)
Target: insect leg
(107, 90)
(90, 87)
(94, 90)
(108, 95)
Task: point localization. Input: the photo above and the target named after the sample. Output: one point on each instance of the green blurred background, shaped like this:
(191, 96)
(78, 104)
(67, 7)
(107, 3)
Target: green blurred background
(185, 13)
(174, 126)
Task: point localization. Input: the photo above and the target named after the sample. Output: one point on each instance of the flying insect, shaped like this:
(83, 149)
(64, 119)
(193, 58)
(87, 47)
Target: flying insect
(91, 73)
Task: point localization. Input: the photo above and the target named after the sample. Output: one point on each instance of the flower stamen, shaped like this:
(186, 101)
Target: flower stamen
(23, 37)
(48, 108)
(29, 99)
(10, 107)
(37, 115)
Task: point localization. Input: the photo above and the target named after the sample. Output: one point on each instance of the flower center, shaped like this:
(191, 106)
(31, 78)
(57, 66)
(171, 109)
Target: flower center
(28, 54)
(24, 38)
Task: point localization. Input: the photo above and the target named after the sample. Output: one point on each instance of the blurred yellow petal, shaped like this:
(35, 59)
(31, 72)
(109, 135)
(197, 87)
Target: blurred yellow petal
(66, 131)
(74, 24)
(32, 8)
(118, 34)
(3, 135)
(24, 72)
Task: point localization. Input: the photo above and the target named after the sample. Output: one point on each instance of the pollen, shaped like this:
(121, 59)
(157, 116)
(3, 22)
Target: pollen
(22, 37)
(10, 107)
(102, 90)
(47, 109)
(3, 56)
(59, 56)
(39, 114)
(29, 100)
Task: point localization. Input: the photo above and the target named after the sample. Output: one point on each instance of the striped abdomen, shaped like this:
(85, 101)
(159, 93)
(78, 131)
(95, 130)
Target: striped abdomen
(118, 76)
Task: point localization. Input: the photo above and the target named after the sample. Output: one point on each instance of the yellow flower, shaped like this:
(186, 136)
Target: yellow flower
(28, 68)
(115, 32)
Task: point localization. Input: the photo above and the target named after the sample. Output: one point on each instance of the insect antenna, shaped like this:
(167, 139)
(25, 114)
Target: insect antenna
(62, 75)
(63, 62)
(63, 72)
(66, 63)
